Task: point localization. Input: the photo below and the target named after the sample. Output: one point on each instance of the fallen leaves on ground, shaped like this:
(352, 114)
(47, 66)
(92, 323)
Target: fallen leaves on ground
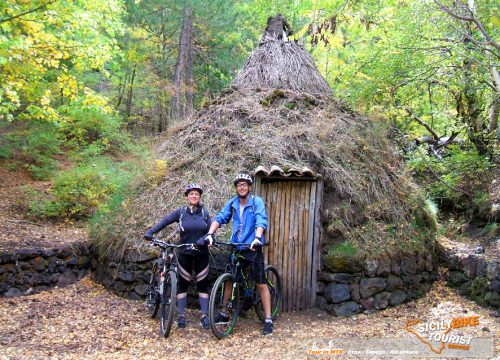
(84, 321)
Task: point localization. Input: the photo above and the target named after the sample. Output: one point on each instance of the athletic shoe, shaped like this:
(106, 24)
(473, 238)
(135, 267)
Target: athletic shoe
(268, 328)
(205, 323)
(182, 322)
(222, 319)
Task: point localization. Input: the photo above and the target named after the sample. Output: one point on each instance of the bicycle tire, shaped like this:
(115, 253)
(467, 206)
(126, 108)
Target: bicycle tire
(167, 303)
(216, 305)
(273, 281)
(153, 292)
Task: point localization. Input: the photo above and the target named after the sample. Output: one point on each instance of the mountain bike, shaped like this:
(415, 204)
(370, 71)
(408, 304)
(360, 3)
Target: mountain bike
(234, 284)
(162, 290)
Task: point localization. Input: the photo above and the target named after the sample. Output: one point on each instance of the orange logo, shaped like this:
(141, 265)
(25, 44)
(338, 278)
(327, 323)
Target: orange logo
(437, 334)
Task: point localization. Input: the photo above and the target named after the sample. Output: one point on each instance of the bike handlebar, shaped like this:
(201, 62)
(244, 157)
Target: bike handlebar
(165, 245)
(235, 245)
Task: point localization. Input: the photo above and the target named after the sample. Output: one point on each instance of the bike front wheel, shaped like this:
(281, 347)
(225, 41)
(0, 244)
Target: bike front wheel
(153, 292)
(223, 306)
(167, 302)
(273, 281)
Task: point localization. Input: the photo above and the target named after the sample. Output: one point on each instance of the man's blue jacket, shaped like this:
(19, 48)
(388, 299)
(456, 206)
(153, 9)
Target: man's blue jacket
(254, 216)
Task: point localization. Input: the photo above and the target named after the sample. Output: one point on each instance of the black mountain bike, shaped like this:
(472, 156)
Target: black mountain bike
(235, 284)
(162, 291)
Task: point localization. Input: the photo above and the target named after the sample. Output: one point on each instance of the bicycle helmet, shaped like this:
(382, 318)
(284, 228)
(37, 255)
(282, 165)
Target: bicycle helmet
(193, 186)
(243, 177)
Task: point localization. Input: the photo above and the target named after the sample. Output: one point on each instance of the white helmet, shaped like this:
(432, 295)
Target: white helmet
(243, 177)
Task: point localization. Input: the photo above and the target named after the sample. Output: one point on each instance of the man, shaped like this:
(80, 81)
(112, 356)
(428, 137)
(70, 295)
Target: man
(249, 223)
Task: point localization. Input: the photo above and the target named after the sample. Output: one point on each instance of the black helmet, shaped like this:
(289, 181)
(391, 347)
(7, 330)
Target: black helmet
(243, 177)
(193, 186)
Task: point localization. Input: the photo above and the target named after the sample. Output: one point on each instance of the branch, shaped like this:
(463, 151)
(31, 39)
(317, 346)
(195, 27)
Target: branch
(472, 19)
(423, 123)
(28, 12)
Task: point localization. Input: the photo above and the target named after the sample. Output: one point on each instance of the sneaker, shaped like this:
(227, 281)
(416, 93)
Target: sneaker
(222, 319)
(268, 328)
(205, 323)
(182, 322)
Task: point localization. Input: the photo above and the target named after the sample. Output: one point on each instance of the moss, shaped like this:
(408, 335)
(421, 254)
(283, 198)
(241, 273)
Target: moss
(291, 105)
(478, 289)
(270, 99)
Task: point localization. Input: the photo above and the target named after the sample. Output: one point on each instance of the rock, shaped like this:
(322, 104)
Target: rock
(71, 261)
(481, 267)
(429, 264)
(119, 286)
(126, 276)
(325, 277)
(371, 266)
(39, 263)
(48, 253)
(465, 288)
(396, 265)
(397, 297)
(26, 254)
(140, 257)
(394, 282)
(320, 288)
(454, 264)
(492, 271)
(337, 293)
(368, 287)
(132, 296)
(456, 278)
(495, 286)
(345, 309)
(355, 295)
(492, 299)
(367, 303)
(13, 291)
(83, 262)
(384, 266)
(409, 264)
(321, 302)
(8, 267)
(343, 278)
(381, 300)
(420, 262)
(470, 267)
(141, 289)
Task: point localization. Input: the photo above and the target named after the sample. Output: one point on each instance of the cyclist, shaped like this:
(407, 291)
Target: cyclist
(249, 223)
(194, 222)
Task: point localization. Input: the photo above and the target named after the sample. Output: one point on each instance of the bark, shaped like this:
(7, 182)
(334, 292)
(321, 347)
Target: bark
(130, 92)
(180, 67)
(188, 76)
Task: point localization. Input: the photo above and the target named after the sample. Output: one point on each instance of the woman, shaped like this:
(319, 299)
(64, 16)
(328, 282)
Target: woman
(194, 222)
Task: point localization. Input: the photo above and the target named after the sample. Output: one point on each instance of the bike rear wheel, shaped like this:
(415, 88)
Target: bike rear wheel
(167, 302)
(273, 281)
(224, 300)
(153, 292)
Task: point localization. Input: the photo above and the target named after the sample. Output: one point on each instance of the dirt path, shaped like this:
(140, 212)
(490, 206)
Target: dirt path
(84, 321)
(17, 230)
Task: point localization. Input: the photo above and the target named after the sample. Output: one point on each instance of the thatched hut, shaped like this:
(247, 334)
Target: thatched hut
(332, 182)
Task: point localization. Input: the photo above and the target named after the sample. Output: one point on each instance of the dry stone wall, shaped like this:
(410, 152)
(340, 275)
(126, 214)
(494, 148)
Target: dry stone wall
(32, 270)
(348, 286)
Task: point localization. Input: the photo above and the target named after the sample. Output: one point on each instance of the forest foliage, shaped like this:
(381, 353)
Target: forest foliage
(83, 81)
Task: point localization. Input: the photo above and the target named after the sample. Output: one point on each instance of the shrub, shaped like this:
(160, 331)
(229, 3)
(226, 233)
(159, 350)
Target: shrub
(78, 192)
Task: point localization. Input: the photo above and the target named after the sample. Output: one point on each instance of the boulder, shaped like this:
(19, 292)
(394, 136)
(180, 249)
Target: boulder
(371, 286)
(336, 293)
(381, 300)
(344, 309)
(397, 297)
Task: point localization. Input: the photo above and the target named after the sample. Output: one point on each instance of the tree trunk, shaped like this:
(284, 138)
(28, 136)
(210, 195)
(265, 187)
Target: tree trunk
(130, 92)
(188, 76)
(180, 68)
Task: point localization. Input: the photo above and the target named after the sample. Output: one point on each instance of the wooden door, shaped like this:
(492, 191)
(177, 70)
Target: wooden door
(293, 232)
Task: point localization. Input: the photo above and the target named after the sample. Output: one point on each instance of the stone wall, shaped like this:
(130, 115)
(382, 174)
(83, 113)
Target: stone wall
(348, 286)
(129, 277)
(33, 270)
(476, 276)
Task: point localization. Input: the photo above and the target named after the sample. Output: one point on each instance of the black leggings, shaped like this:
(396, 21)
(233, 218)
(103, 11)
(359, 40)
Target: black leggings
(187, 263)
